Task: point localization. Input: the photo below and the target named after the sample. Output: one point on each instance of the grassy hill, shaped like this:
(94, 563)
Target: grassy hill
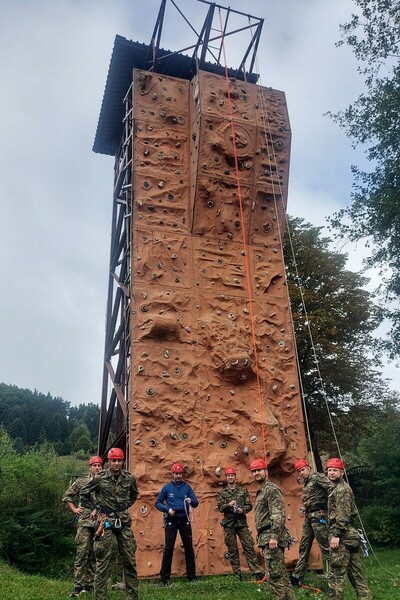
(384, 581)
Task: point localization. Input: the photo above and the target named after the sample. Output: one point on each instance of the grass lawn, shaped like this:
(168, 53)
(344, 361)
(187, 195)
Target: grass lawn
(384, 582)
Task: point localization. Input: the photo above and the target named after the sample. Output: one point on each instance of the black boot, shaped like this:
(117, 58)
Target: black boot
(294, 581)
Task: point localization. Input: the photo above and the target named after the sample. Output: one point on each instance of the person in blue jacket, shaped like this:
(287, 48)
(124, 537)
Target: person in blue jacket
(176, 501)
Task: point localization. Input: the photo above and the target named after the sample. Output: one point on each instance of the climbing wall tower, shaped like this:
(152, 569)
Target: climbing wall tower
(198, 310)
(194, 386)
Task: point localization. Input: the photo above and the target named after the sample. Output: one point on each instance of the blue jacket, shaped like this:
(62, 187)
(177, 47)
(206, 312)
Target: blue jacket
(173, 496)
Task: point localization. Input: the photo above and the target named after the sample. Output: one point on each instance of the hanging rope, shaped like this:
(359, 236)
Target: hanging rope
(244, 241)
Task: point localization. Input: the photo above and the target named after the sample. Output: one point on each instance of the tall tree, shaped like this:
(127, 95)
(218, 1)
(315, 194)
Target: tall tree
(88, 414)
(373, 120)
(35, 418)
(334, 317)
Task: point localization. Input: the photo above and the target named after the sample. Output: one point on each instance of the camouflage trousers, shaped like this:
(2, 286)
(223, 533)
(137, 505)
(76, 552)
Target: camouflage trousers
(278, 577)
(127, 549)
(312, 529)
(243, 533)
(85, 562)
(347, 561)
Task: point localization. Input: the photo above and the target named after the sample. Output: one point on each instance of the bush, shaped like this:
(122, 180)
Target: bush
(381, 524)
(35, 533)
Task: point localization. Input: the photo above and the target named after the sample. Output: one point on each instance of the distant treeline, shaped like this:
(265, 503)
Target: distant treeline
(30, 417)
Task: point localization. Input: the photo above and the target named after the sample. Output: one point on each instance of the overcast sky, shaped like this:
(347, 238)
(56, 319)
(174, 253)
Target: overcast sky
(56, 194)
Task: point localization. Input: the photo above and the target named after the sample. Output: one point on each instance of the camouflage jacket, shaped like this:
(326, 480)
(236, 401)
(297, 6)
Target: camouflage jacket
(72, 495)
(112, 495)
(241, 496)
(270, 515)
(315, 492)
(342, 512)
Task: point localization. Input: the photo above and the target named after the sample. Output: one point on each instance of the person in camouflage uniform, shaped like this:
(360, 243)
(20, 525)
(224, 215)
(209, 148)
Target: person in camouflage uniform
(344, 541)
(272, 535)
(234, 502)
(315, 502)
(114, 491)
(84, 566)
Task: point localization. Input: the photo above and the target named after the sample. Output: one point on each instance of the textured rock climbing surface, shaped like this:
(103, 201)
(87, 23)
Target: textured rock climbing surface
(206, 265)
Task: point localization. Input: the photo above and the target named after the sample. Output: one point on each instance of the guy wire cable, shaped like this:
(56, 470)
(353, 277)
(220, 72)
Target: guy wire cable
(307, 320)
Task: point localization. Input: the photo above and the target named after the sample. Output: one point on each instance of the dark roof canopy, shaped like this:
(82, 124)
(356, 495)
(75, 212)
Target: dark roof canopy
(126, 56)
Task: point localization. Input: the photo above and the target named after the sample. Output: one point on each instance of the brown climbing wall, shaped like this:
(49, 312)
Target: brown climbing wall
(194, 393)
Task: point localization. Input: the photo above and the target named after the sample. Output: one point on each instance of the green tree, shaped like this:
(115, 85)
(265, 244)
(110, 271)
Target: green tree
(373, 120)
(334, 318)
(80, 438)
(88, 414)
(377, 487)
(38, 418)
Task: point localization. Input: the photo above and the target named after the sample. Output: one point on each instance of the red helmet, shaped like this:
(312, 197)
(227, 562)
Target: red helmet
(258, 463)
(335, 463)
(115, 453)
(299, 464)
(177, 468)
(93, 460)
(230, 471)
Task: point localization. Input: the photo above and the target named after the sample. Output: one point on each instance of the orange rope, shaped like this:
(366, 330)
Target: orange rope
(314, 590)
(246, 258)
